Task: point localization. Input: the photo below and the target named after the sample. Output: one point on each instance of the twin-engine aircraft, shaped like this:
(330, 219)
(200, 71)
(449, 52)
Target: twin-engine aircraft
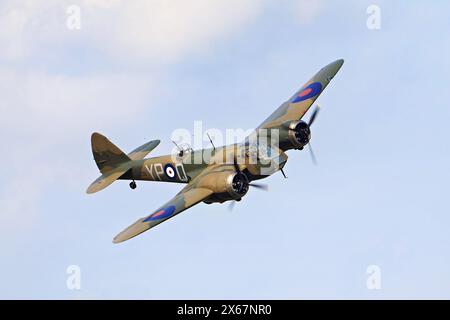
(215, 174)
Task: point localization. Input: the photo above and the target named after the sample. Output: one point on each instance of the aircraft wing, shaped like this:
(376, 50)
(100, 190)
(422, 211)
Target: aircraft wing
(294, 108)
(187, 198)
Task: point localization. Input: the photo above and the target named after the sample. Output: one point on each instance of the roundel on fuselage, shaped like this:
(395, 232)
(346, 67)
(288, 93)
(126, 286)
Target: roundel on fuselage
(170, 171)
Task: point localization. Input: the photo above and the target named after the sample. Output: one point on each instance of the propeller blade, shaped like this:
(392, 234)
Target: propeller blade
(314, 115)
(236, 166)
(311, 152)
(260, 186)
(231, 205)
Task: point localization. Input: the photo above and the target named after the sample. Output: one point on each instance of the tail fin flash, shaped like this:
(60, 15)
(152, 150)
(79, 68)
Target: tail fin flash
(107, 155)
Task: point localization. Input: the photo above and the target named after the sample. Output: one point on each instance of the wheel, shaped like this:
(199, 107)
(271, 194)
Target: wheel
(133, 185)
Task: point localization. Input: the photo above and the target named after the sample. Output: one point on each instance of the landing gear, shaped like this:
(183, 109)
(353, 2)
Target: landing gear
(133, 185)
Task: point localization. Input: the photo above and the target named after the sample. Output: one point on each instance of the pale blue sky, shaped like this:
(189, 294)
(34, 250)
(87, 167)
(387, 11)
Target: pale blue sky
(378, 196)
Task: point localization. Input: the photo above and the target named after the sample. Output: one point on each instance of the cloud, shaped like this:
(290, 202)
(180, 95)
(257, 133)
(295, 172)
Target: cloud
(43, 117)
(46, 106)
(307, 10)
(46, 103)
(167, 30)
(12, 28)
(151, 31)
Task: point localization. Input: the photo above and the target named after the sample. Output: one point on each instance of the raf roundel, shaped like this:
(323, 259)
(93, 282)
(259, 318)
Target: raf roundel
(308, 92)
(161, 214)
(170, 171)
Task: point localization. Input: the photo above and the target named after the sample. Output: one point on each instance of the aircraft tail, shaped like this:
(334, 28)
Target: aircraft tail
(106, 154)
(110, 160)
(113, 162)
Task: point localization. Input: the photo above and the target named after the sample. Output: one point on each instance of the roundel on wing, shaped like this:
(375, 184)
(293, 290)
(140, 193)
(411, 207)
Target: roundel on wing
(308, 92)
(161, 214)
(170, 171)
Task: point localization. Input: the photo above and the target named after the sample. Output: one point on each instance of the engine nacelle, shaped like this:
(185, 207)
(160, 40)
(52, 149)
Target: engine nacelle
(294, 135)
(225, 185)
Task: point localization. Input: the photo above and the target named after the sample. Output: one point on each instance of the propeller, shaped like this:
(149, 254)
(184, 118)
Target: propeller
(311, 121)
(260, 186)
(236, 165)
(311, 153)
(314, 115)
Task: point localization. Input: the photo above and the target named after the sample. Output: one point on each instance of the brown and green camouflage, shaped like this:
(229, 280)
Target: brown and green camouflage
(213, 174)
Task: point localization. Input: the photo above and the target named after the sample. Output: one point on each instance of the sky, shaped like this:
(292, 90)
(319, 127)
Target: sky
(370, 221)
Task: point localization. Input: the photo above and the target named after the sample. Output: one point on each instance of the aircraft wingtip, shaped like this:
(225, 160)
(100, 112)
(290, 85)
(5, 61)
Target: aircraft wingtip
(92, 188)
(340, 62)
